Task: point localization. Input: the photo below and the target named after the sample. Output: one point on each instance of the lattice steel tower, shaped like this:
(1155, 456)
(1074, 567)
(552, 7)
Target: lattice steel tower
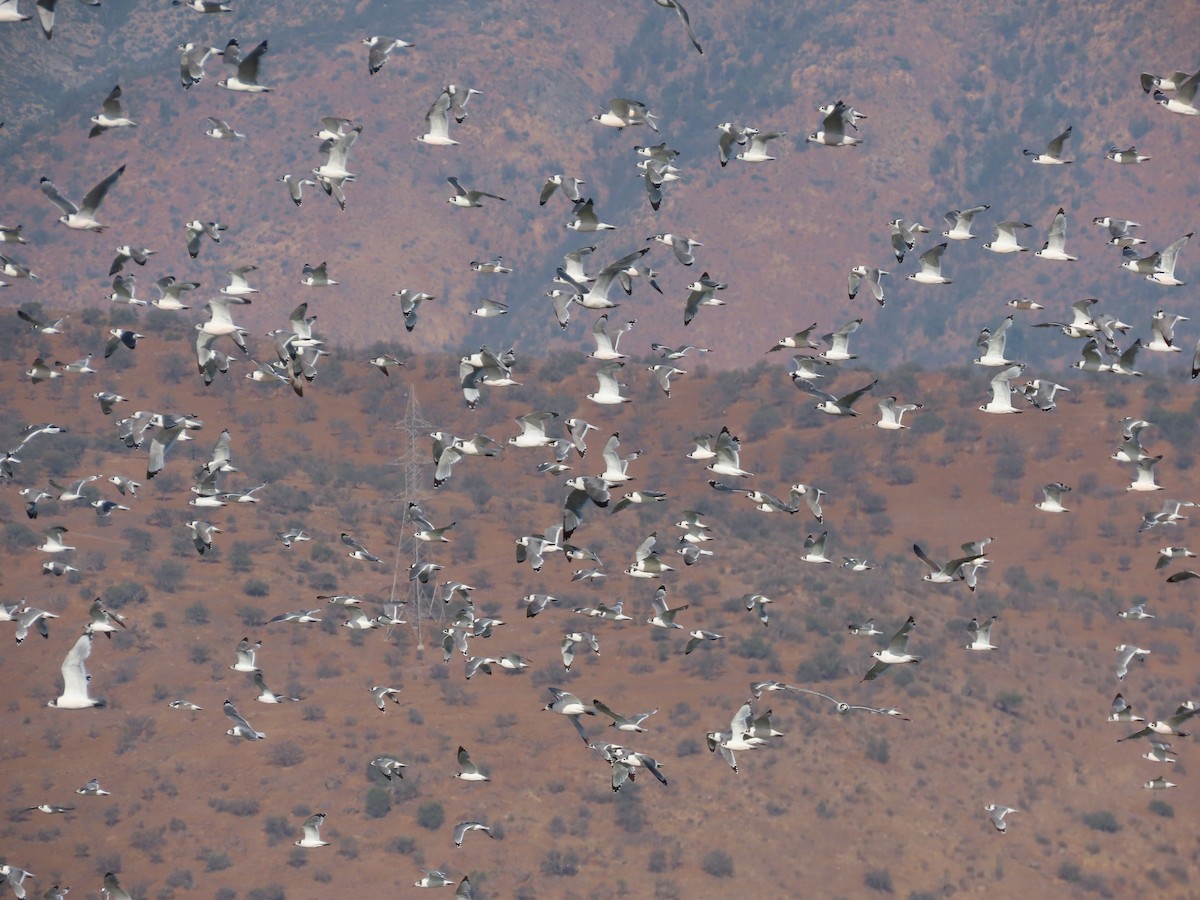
(415, 465)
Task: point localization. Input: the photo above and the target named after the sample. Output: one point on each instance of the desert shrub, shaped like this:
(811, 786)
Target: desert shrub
(256, 587)
(478, 488)
(214, 860)
(326, 582)
(561, 863)
(168, 574)
(687, 746)
(182, 544)
(180, 878)
(879, 880)
(927, 422)
(127, 592)
(1010, 465)
(133, 729)
(763, 421)
(328, 668)
(251, 616)
(241, 556)
(877, 750)
(1162, 808)
(824, 665)
(718, 864)
(1069, 871)
(138, 541)
(1009, 700)
(108, 862)
(756, 647)
(379, 803)
(431, 815)
(148, 840)
(1102, 820)
(196, 614)
(287, 754)
(278, 829)
(682, 713)
(235, 806)
(630, 816)
(402, 845)
(18, 536)
(872, 503)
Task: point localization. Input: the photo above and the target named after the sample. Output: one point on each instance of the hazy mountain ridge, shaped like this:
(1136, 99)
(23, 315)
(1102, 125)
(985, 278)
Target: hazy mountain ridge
(782, 235)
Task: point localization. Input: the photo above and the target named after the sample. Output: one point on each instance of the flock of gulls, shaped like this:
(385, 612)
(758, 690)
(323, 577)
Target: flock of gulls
(589, 283)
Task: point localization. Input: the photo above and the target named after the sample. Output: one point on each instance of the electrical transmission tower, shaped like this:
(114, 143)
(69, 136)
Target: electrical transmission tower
(414, 463)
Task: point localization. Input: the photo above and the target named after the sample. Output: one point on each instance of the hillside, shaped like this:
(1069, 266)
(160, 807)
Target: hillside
(861, 790)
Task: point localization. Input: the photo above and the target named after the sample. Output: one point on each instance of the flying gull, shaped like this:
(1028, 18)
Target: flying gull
(1005, 240)
(683, 17)
(951, 571)
(839, 342)
(468, 770)
(896, 652)
(843, 707)
(981, 634)
(961, 220)
(191, 62)
(1053, 494)
(836, 406)
(312, 832)
(465, 197)
(892, 413)
(83, 216)
(75, 677)
(622, 112)
(245, 75)
(111, 116)
(997, 812)
(461, 829)
(1128, 653)
(1126, 157)
(1054, 151)
(567, 184)
(380, 48)
(832, 132)
(931, 267)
